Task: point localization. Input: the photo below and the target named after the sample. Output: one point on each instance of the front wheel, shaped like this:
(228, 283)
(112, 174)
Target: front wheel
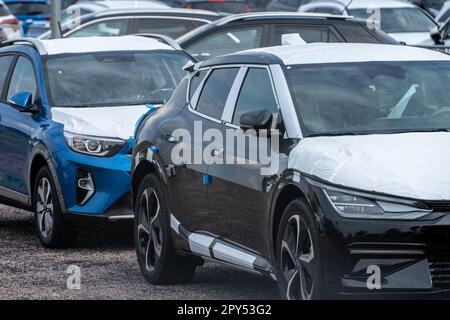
(156, 256)
(300, 269)
(52, 229)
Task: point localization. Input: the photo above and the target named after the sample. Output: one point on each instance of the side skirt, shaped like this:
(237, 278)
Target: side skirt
(222, 251)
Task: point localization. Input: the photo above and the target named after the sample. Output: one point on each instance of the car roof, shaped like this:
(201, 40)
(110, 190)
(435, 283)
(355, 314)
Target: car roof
(363, 4)
(325, 53)
(102, 5)
(169, 12)
(102, 44)
(276, 15)
(15, 1)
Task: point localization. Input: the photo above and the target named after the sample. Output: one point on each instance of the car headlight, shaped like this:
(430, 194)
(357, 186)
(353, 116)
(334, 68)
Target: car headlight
(354, 206)
(95, 146)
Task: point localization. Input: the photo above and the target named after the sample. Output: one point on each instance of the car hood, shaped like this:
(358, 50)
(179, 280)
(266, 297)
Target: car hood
(112, 122)
(412, 165)
(411, 37)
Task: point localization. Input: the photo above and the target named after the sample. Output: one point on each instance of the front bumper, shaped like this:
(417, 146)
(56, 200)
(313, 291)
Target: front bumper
(111, 179)
(412, 257)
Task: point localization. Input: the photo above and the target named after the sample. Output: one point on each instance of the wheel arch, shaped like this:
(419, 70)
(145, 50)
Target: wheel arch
(40, 157)
(142, 169)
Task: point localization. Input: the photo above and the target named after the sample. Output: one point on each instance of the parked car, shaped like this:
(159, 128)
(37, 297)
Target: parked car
(285, 5)
(221, 6)
(33, 14)
(170, 22)
(357, 184)
(68, 113)
(444, 13)
(248, 31)
(401, 20)
(431, 6)
(9, 24)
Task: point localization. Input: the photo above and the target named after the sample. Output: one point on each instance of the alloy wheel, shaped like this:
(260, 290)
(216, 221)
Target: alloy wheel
(44, 207)
(149, 228)
(297, 260)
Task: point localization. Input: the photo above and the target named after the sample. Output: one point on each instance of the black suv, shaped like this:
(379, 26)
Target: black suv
(255, 30)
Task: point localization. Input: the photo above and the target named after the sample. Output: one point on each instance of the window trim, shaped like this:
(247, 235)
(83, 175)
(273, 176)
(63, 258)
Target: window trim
(329, 26)
(134, 20)
(4, 90)
(192, 103)
(128, 19)
(9, 77)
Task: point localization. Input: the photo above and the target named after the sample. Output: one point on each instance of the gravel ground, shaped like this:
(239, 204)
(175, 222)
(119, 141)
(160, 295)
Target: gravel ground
(108, 268)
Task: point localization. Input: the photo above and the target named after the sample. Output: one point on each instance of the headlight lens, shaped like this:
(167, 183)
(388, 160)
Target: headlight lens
(352, 206)
(95, 146)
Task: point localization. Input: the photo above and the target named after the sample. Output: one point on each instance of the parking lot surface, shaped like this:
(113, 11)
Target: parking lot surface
(108, 265)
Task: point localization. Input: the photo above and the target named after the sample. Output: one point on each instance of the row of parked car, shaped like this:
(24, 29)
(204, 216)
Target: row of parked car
(94, 128)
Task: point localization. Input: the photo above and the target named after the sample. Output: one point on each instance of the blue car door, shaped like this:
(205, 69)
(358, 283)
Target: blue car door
(16, 130)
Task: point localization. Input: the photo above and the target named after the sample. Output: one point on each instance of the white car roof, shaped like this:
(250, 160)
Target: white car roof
(350, 52)
(104, 5)
(102, 44)
(362, 4)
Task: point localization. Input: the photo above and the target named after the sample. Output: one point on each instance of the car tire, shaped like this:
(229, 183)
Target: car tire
(299, 253)
(155, 252)
(53, 231)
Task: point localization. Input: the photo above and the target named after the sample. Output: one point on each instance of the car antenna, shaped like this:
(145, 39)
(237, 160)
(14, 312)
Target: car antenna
(346, 7)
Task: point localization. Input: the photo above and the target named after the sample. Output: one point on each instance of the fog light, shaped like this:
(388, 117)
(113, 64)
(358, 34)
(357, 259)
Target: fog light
(85, 187)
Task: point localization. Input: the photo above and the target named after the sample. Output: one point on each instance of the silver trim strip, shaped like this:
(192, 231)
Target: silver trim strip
(233, 256)
(174, 224)
(199, 244)
(14, 195)
(286, 103)
(124, 217)
(233, 95)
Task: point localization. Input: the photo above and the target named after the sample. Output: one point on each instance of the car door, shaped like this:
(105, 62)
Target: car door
(188, 180)
(225, 41)
(237, 195)
(309, 33)
(17, 128)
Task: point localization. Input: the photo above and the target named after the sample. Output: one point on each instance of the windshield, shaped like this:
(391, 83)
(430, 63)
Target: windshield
(372, 97)
(29, 8)
(394, 20)
(114, 79)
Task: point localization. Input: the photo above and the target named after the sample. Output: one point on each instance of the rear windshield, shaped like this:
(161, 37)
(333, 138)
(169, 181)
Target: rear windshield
(29, 9)
(225, 7)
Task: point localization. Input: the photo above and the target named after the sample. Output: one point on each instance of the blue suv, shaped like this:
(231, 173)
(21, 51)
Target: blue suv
(68, 111)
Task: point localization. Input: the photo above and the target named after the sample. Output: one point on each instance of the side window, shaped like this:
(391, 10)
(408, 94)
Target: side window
(309, 34)
(170, 27)
(103, 28)
(256, 94)
(195, 81)
(215, 92)
(23, 78)
(5, 64)
(226, 41)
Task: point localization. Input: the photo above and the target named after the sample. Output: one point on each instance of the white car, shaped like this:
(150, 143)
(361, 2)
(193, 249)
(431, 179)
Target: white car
(402, 20)
(9, 24)
(444, 13)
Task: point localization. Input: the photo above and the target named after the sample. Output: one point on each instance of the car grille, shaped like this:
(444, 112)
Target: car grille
(440, 272)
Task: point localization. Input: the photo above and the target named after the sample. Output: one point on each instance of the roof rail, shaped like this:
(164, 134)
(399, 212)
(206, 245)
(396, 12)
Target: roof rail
(33, 42)
(165, 39)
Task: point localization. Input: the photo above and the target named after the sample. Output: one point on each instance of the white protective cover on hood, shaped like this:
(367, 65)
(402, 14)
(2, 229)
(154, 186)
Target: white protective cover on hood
(111, 122)
(413, 165)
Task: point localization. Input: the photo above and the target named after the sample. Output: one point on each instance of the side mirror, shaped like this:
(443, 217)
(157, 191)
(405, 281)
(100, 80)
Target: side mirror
(436, 36)
(22, 100)
(257, 120)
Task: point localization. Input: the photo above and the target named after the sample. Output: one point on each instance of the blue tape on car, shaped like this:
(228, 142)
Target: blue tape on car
(206, 180)
(154, 149)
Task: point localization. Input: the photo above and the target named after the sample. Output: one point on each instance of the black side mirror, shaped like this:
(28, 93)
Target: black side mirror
(436, 36)
(257, 120)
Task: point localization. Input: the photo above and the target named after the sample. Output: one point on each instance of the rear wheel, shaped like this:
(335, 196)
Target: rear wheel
(300, 269)
(53, 230)
(157, 259)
